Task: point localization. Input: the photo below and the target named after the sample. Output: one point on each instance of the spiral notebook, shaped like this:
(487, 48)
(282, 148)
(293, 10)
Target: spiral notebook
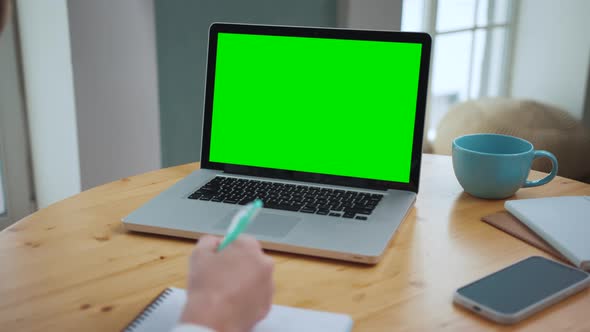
(163, 312)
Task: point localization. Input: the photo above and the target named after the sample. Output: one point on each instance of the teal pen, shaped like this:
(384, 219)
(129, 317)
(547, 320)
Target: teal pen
(239, 222)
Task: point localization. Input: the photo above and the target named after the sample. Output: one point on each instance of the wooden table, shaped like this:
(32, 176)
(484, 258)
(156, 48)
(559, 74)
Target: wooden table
(72, 266)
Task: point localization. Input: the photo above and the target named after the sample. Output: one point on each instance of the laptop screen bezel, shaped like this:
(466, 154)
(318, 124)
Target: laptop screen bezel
(409, 37)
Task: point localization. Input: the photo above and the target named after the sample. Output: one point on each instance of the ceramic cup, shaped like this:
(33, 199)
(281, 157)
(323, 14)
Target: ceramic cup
(495, 166)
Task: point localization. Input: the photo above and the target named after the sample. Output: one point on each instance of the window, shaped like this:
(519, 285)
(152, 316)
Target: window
(471, 44)
(16, 199)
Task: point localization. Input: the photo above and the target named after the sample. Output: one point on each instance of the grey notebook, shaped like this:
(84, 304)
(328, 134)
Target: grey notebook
(564, 222)
(163, 314)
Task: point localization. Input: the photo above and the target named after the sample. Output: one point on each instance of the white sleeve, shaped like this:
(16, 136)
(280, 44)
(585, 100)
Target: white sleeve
(191, 328)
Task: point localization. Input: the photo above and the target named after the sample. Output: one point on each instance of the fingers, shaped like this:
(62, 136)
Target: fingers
(207, 243)
(267, 295)
(246, 241)
(268, 263)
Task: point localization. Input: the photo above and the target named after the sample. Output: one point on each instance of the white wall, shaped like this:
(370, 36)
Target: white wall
(15, 175)
(45, 43)
(552, 53)
(115, 76)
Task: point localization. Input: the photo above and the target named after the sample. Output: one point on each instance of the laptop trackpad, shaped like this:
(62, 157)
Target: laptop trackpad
(266, 224)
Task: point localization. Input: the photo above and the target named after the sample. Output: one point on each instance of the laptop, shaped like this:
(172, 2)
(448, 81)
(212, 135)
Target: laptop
(323, 125)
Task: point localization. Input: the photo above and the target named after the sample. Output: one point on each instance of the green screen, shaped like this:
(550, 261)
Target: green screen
(330, 106)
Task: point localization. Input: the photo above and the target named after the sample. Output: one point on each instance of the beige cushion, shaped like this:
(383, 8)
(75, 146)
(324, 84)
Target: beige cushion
(547, 127)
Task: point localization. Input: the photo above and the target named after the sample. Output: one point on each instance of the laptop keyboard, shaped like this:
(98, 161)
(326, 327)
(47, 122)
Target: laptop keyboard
(289, 197)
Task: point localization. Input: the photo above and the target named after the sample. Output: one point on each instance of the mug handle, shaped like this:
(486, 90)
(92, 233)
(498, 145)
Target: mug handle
(540, 182)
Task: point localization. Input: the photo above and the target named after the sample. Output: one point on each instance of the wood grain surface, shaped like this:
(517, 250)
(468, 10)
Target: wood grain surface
(72, 266)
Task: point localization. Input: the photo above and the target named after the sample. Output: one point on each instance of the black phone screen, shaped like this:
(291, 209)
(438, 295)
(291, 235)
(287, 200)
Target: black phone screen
(522, 284)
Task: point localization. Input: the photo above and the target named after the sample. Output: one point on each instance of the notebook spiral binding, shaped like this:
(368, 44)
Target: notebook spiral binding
(147, 311)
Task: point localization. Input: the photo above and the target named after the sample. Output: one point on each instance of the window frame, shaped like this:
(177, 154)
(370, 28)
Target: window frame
(15, 154)
(429, 20)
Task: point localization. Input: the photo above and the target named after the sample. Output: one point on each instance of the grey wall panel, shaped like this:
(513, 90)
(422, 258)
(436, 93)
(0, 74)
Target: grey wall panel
(182, 31)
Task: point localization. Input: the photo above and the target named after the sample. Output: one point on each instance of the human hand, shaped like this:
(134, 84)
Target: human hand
(229, 290)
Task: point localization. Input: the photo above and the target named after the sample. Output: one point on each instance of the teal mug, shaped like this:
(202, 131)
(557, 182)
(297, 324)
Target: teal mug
(495, 166)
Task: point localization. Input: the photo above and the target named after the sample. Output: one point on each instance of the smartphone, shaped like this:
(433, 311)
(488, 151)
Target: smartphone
(522, 289)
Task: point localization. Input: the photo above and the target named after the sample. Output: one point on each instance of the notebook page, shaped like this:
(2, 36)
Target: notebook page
(289, 319)
(163, 314)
